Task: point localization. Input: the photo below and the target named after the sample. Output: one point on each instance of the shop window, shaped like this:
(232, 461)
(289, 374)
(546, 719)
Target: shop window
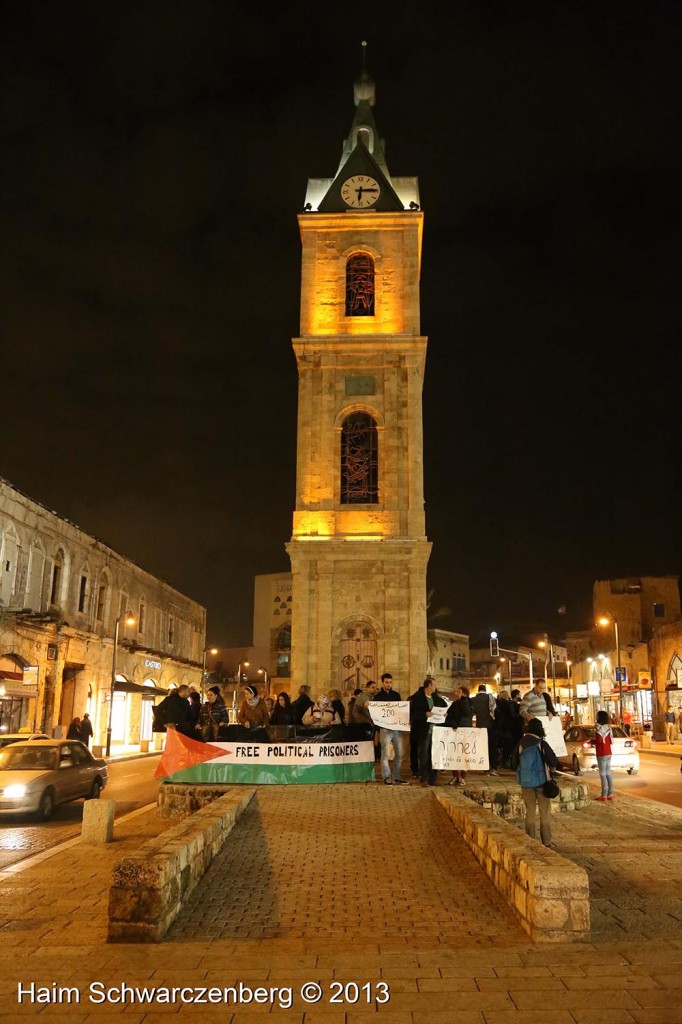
(57, 570)
(101, 601)
(659, 610)
(171, 629)
(142, 615)
(359, 460)
(360, 285)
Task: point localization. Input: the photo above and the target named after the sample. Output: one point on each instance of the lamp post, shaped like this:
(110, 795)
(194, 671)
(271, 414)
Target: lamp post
(266, 679)
(236, 689)
(605, 620)
(129, 620)
(207, 650)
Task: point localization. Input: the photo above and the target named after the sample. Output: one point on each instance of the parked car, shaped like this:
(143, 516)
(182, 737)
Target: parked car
(38, 775)
(581, 753)
(20, 737)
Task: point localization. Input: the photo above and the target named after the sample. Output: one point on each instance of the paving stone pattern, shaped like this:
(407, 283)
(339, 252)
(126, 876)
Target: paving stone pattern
(353, 861)
(53, 923)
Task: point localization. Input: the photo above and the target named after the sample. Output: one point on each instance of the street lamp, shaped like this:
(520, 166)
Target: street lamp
(266, 679)
(605, 620)
(129, 620)
(207, 650)
(236, 689)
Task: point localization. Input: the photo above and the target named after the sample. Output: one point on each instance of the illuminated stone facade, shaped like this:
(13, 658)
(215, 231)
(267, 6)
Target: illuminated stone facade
(359, 566)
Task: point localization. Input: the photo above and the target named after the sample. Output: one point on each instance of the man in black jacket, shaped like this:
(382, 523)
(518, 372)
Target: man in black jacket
(301, 705)
(421, 709)
(174, 710)
(484, 709)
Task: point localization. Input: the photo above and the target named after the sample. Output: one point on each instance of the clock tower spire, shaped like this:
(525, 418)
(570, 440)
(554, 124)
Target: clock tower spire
(358, 548)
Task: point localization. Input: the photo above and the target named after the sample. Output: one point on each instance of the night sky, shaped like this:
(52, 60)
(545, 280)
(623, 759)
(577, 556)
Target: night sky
(153, 159)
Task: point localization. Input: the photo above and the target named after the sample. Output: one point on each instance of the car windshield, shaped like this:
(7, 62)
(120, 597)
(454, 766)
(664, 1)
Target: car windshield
(589, 732)
(24, 757)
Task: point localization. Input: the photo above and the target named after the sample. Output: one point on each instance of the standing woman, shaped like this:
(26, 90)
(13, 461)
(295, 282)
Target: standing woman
(460, 716)
(534, 757)
(74, 731)
(603, 735)
(338, 705)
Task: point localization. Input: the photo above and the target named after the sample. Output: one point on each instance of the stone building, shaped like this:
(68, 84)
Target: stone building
(61, 592)
(448, 659)
(358, 549)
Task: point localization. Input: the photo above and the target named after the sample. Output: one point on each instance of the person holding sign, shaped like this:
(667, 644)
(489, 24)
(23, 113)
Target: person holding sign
(386, 693)
(460, 715)
(421, 709)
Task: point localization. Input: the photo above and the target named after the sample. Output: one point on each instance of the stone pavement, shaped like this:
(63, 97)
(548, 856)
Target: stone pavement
(362, 884)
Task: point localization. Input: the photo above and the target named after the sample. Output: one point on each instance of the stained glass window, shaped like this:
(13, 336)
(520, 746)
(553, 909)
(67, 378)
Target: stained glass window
(360, 285)
(359, 460)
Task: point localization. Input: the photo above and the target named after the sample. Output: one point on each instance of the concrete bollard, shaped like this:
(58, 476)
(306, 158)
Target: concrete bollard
(98, 822)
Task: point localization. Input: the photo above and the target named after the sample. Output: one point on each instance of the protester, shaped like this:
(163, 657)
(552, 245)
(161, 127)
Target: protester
(336, 698)
(351, 702)
(282, 713)
(322, 714)
(534, 755)
(194, 709)
(360, 714)
(270, 705)
(253, 713)
(534, 704)
(504, 720)
(301, 704)
(460, 715)
(603, 736)
(86, 729)
(421, 710)
(213, 713)
(390, 738)
(484, 706)
(174, 711)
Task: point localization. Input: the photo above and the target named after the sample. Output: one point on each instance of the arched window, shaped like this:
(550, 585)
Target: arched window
(360, 285)
(359, 460)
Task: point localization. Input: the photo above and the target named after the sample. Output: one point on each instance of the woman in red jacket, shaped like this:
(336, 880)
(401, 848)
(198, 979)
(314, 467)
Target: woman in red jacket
(602, 737)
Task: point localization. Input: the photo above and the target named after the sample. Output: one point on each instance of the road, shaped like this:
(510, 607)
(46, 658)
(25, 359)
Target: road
(659, 778)
(131, 784)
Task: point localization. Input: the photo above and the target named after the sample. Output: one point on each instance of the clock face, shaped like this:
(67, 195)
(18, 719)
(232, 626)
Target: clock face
(360, 191)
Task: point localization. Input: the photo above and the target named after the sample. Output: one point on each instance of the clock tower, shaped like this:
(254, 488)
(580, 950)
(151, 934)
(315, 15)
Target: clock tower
(358, 549)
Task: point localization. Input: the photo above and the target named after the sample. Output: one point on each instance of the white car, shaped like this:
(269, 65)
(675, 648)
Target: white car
(35, 777)
(20, 737)
(581, 753)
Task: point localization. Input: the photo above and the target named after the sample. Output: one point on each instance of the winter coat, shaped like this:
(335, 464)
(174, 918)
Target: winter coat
(257, 716)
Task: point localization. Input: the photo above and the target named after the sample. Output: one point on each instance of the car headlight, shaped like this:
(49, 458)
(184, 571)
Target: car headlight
(14, 791)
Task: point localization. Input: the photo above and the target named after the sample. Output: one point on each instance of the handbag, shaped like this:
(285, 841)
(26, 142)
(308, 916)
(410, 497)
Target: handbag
(550, 788)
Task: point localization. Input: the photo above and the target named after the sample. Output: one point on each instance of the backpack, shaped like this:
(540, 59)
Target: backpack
(531, 771)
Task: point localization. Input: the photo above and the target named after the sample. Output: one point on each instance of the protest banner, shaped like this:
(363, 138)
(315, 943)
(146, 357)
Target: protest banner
(390, 714)
(459, 750)
(288, 761)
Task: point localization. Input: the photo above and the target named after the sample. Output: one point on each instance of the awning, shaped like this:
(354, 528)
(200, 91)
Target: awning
(124, 686)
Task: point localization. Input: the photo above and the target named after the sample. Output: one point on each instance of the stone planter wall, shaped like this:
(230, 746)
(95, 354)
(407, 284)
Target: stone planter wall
(549, 894)
(179, 799)
(149, 887)
(504, 798)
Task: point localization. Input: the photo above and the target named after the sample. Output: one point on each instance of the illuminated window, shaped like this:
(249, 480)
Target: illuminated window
(359, 460)
(360, 285)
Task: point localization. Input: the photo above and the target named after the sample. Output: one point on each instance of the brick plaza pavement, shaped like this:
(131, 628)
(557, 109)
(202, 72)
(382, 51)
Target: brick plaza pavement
(363, 883)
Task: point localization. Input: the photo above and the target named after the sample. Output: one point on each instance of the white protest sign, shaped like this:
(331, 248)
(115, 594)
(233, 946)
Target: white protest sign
(459, 749)
(554, 735)
(438, 713)
(390, 714)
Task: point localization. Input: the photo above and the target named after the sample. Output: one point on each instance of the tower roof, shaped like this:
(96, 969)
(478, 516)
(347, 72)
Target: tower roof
(363, 152)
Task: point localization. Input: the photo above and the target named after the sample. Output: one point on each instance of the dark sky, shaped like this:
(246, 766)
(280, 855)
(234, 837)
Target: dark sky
(153, 158)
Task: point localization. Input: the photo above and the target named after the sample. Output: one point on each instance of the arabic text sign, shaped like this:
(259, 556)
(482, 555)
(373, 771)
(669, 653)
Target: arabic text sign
(387, 714)
(459, 749)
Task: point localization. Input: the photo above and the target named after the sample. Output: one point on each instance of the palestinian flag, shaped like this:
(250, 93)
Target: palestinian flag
(279, 763)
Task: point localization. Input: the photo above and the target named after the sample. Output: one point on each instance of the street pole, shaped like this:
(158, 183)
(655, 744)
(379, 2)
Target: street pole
(551, 654)
(619, 671)
(113, 684)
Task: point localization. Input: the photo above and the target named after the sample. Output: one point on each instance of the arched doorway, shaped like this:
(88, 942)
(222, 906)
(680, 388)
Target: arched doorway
(357, 658)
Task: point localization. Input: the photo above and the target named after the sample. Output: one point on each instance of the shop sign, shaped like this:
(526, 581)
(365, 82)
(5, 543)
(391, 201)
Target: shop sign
(644, 680)
(581, 691)
(31, 679)
(150, 663)
(595, 689)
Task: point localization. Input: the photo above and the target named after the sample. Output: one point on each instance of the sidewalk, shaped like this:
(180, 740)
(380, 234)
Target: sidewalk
(362, 883)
